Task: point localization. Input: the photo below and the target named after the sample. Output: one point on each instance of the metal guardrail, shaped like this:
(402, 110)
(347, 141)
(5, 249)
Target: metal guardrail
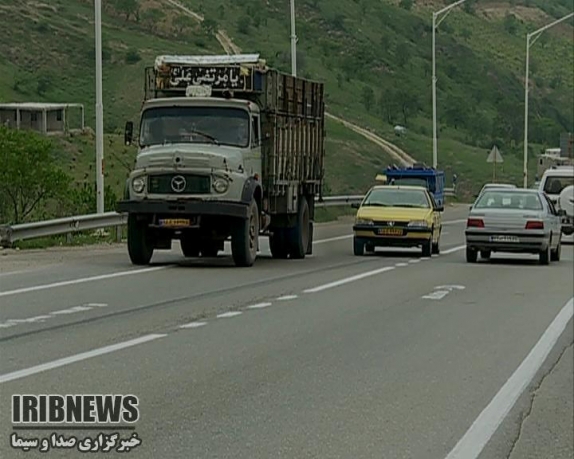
(69, 225)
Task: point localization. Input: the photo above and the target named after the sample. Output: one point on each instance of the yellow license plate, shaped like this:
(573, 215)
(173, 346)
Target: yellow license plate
(175, 222)
(391, 232)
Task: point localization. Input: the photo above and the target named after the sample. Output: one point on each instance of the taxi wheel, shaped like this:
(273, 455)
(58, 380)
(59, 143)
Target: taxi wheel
(427, 248)
(358, 247)
(369, 248)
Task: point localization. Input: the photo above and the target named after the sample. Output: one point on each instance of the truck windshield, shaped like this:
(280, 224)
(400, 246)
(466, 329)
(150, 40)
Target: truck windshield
(164, 125)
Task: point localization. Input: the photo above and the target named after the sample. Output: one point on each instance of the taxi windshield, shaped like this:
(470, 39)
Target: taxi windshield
(497, 199)
(392, 197)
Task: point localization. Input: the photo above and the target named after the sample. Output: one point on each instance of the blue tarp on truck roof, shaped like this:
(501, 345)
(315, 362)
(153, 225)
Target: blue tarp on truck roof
(432, 179)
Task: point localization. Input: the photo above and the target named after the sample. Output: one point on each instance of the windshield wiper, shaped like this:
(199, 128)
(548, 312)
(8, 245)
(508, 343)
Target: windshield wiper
(375, 204)
(207, 136)
(409, 206)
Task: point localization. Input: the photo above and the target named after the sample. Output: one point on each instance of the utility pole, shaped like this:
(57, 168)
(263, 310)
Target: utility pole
(99, 111)
(293, 41)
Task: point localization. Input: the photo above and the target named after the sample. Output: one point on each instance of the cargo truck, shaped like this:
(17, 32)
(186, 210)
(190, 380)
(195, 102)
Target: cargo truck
(228, 148)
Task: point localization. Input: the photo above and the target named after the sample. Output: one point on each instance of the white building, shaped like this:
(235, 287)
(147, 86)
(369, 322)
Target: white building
(46, 118)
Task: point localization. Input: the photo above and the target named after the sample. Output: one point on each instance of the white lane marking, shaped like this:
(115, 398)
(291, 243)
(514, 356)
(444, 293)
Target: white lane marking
(436, 295)
(451, 287)
(332, 239)
(424, 258)
(76, 358)
(346, 280)
(483, 428)
(81, 280)
(193, 325)
(401, 265)
(287, 297)
(259, 306)
(416, 260)
(454, 249)
(225, 315)
(51, 315)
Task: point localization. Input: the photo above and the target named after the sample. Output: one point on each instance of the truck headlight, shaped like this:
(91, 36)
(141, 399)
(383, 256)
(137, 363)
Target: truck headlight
(138, 184)
(363, 221)
(220, 185)
(418, 224)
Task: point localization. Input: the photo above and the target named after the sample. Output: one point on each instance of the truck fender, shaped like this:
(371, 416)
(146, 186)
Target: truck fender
(252, 188)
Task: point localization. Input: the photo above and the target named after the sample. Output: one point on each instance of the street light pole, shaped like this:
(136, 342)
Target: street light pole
(293, 41)
(436, 21)
(99, 111)
(530, 40)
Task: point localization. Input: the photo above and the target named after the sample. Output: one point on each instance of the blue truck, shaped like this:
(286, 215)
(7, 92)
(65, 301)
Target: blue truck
(418, 175)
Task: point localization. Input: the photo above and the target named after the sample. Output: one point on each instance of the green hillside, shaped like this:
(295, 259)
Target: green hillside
(373, 55)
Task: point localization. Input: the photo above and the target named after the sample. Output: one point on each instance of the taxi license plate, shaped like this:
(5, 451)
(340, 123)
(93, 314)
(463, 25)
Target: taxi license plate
(175, 222)
(504, 239)
(390, 232)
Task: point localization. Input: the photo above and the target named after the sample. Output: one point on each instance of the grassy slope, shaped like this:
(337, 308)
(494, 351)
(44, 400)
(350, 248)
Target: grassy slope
(362, 39)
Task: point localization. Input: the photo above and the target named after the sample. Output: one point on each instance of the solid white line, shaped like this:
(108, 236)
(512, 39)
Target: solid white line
(80, 281)
(416, 260)
(454, 249)
(193, 325)
(287, 297)
(346, 280)
(75, 358)
(477, 436)
(225, 315)
(259, 306)
(401, 265)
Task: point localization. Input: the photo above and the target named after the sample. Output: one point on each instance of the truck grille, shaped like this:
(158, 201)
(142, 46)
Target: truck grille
(179, 184)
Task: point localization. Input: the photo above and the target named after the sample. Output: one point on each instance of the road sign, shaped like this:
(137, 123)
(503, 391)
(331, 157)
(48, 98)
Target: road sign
(494, 156)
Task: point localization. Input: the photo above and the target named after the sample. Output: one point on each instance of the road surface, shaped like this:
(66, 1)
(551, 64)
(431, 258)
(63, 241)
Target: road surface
(387, 355)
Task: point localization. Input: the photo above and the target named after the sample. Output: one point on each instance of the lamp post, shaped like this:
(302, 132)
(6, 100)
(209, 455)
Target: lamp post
(99, 111)
(293, 41)
(436, 21)
(530, 40)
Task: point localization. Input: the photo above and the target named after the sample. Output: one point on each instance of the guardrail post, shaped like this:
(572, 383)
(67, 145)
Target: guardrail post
(69, 238)
(119, 233)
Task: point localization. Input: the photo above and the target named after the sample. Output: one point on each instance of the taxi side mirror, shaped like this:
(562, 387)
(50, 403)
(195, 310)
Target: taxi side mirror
(439, 208)
(355, 205)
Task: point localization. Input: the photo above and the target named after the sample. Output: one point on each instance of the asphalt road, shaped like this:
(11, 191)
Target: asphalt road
(388, 355)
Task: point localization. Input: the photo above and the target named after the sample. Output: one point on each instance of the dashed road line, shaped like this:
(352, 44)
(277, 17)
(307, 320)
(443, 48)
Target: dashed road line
(287, 297)
(193, 325)
(346, 280)
(85, 307)
(401, 265)
(226, 315)
(259, 306)
(454, 249)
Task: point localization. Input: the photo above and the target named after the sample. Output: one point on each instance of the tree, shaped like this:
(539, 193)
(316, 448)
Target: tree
(368, 97)
(406, 4)
(127, 7)
(180, 23)
(28, 175)
(209, 25)
(152, 18)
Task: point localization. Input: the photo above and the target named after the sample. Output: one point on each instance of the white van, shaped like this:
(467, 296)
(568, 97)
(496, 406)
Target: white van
(558, 184)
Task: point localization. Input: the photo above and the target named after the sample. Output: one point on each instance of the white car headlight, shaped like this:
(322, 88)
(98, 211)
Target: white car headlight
(362, 221)
(138, 184)
(220, 185)
(418, 224)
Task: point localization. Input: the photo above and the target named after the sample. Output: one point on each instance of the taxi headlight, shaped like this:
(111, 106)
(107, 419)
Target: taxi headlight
(418, 224)
(363, 221)
(138, 184)
(220, 185)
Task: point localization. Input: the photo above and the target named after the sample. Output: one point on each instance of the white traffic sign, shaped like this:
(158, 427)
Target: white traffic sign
(494, 156)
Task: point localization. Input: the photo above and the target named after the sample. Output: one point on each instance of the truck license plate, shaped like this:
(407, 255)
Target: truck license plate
(175, 222)
(390, 231)
(504, 239)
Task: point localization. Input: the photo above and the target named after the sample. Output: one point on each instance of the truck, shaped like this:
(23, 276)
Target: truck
(419, 175)
(228, 148)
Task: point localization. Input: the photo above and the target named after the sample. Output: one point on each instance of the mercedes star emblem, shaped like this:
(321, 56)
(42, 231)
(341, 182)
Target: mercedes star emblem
(178, 183)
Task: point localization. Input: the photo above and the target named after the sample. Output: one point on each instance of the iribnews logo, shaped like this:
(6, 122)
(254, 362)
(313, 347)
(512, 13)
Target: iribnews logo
(74, 409)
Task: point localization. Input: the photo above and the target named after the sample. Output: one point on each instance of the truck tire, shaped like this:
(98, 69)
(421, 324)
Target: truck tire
(245, 238)
(277, 244)
(310, 243)
(299, 235)
(140, 242)
(189, 247)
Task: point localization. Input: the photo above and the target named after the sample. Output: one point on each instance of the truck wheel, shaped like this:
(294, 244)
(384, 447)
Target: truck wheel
(245, 238)
(140, 242)
(277, 244)
(189, 247)
(299, 240)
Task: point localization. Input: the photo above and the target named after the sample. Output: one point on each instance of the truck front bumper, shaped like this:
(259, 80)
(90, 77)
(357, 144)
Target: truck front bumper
(184, 207)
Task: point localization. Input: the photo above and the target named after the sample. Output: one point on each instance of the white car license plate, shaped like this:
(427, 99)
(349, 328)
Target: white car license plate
(504, 239)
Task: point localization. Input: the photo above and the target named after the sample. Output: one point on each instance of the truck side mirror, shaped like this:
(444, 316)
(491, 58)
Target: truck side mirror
(129, 133)
(439, 208)
(561, 213)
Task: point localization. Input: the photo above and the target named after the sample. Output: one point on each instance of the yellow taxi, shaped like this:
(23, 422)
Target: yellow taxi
(397, 216)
